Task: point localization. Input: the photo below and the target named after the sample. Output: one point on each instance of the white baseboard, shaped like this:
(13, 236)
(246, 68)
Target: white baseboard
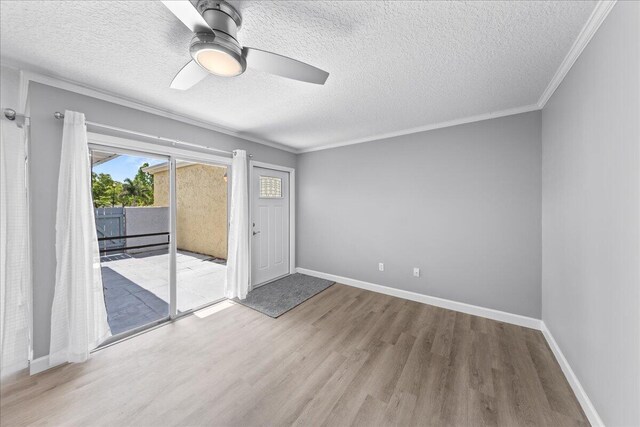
(489, 313)
(581, 395)
(40, 364)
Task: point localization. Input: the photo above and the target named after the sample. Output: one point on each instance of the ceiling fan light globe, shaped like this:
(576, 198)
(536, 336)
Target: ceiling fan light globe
(218, 53)
(219, 63)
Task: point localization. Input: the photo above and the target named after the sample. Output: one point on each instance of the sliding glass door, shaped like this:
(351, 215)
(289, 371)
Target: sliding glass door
(162, 231)
(201, 233)
(132, 221)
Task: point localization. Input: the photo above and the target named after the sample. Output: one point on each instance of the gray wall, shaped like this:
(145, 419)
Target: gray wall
(10, 93)
(46, 137)
(591, 217)
(462, 203)
(146, 220)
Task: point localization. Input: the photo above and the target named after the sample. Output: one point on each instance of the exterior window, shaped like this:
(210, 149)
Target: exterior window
(270, 187)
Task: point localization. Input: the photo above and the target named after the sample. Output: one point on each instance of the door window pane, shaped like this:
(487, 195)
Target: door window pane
(270, 187)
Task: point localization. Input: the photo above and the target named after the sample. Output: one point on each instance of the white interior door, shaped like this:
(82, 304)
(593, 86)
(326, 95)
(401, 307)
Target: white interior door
(270, 225)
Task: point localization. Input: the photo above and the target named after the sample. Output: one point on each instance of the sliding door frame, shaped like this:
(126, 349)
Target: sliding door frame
(173, 243)
(100, 141)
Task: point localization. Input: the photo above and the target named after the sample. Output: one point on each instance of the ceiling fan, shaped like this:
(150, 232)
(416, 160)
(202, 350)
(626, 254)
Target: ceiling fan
(215, 48)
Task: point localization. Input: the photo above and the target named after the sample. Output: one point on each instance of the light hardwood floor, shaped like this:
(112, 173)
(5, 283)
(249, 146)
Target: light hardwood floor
(345, 357)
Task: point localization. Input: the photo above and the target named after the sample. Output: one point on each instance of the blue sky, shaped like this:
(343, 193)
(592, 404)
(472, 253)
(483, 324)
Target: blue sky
(124, 166)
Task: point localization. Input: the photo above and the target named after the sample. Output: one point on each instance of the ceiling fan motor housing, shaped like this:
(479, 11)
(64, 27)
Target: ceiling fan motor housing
(224, 21)
(220, 16)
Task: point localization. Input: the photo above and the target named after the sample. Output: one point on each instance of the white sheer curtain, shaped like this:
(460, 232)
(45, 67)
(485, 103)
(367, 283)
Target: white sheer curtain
(237, 284)
(78, 314)
(15, 279)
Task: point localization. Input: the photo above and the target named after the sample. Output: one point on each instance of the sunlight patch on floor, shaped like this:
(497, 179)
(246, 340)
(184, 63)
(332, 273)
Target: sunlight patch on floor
(205, 312)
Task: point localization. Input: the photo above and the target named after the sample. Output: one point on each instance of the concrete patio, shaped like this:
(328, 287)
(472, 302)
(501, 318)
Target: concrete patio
(137, 286)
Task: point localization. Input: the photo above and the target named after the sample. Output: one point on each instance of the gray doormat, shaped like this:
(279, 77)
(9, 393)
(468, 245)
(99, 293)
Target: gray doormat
(276, 298)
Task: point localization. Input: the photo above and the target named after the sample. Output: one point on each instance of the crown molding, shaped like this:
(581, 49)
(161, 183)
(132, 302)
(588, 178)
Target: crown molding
(596, 19)
(433, 126)
(29, 74)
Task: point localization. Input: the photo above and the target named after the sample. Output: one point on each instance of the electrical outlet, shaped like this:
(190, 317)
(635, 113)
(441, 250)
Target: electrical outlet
(380, 266)
(416, 272)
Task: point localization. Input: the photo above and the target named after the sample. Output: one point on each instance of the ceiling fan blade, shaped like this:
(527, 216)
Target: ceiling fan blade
(188, 14)
(283, 66)
(188, 76)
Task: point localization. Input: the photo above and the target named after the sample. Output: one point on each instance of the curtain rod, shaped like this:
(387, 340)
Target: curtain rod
(58, 115)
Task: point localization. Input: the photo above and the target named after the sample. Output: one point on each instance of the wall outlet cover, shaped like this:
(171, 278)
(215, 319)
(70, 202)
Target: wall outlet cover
(416, 272)
(380, 266)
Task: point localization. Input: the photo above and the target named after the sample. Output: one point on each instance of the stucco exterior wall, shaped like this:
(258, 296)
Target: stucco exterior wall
(201, 194)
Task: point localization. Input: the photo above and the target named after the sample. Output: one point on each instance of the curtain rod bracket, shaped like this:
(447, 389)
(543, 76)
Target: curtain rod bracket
(19, 119)
(10, 113)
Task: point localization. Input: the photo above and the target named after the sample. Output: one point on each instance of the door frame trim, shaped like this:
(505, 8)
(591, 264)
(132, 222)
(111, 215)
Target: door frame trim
(292, 213)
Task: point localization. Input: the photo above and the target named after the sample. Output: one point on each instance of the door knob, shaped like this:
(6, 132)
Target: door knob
(256, 232)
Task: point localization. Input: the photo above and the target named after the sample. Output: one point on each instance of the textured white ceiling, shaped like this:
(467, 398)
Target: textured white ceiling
(393, 65)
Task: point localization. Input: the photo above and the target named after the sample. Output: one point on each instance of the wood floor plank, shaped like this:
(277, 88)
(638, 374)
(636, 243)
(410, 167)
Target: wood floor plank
(316, 411)
(430, 398)
(399, 409)
(401, 323)
(345, 357)
(371, 413)
(482, 409)
(413, 375)
(480, 375)
(279, 403)
(383, 383)
(348, 404)
(455, 405)
(444, 334)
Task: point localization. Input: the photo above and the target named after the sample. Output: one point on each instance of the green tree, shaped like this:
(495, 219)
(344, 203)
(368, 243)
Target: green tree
(139, 190)
(145, 177)
(105, 190)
